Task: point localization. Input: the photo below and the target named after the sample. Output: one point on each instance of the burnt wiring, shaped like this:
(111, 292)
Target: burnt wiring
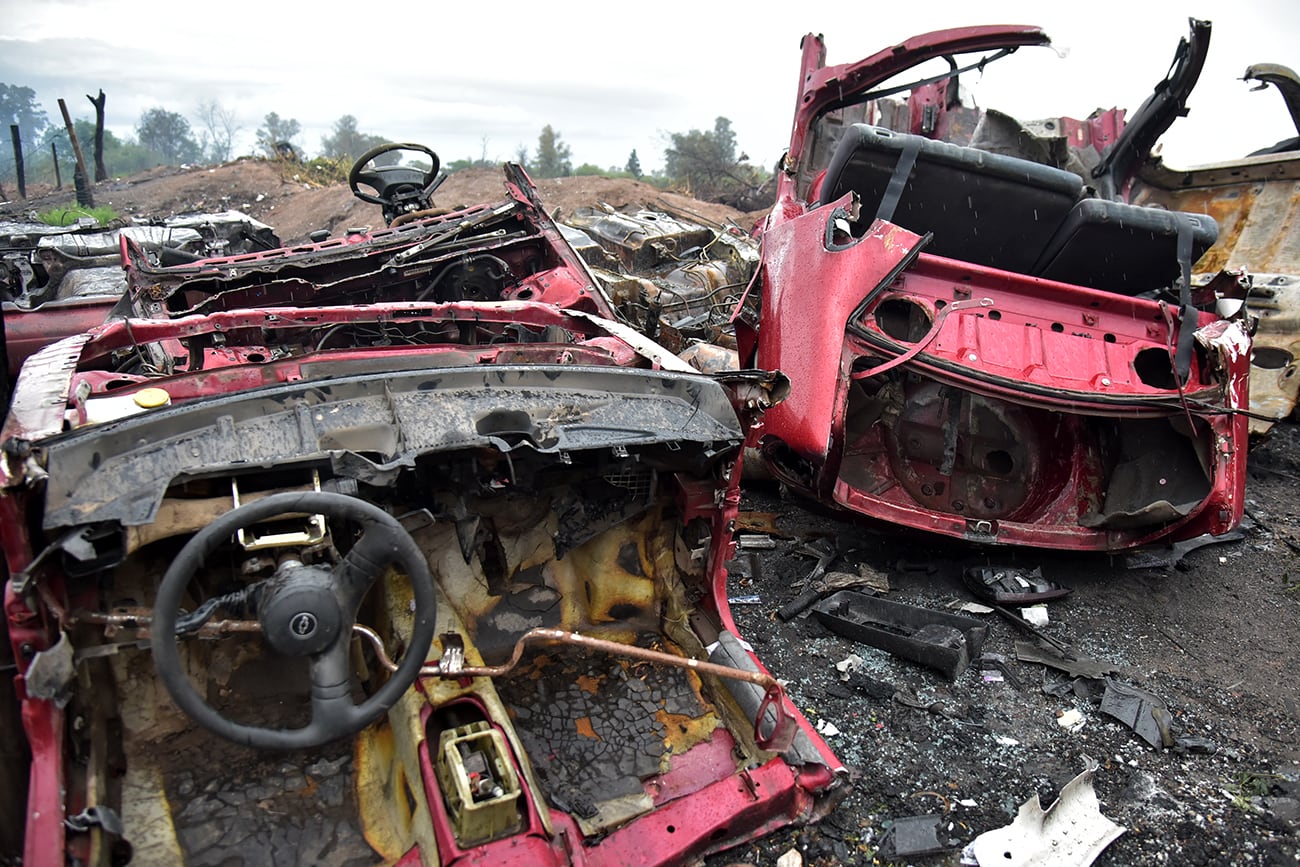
(239, 603)
(379, 335)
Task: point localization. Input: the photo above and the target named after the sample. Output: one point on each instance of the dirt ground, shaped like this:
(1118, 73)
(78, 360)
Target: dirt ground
(278, 194)
(1214, 638)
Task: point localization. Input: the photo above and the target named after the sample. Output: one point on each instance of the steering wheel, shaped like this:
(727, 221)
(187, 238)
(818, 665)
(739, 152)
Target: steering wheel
(397, 187)
(304, 611)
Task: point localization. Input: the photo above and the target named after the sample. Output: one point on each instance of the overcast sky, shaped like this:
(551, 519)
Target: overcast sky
(612, 77)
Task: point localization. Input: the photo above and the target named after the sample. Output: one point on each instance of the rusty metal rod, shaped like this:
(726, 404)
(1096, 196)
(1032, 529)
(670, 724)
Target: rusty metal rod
(141, 621)
(559, 636)
(114, 623)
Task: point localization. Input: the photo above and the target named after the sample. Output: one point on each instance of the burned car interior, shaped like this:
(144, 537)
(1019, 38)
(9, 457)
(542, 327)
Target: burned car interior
(1020, 356)
(409, 503)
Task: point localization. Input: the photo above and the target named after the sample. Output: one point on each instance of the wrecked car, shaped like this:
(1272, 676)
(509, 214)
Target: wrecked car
(1252, 198)
(391, 547)
(1001, 351)
(56, 281)
(668, 274)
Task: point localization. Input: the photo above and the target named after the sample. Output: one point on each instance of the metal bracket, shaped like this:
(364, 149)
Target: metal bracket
(313, 534)
(98, 816)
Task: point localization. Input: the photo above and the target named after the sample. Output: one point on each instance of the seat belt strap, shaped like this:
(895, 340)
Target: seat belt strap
(898, 181)
(1187, 318)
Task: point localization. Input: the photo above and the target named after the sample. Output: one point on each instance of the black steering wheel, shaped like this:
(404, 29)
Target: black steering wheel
(304, 611)
(398, 188)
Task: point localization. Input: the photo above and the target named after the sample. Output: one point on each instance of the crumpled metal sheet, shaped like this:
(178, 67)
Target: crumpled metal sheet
(82, 245)
(1072, 831)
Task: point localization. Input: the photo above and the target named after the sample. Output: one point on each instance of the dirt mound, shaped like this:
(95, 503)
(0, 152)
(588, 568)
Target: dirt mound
(280, 195)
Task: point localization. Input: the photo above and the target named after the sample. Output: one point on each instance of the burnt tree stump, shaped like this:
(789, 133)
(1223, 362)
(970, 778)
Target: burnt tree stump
(101, 173)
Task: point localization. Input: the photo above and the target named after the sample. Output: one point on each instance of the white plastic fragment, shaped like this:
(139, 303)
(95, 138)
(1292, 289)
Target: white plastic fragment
(1072, 832)
(1005, 741)
(791, 858)
(827, 728)
(848, 665)
(975, 608)
(1070, 719)
(968, 802)
(1036, 615)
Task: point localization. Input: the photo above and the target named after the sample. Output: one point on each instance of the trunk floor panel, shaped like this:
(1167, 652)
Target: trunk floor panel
(595, 728)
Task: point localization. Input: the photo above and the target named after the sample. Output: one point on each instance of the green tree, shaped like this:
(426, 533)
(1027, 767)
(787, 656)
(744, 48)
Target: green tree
(220, 126)
(633, 167)
(706, 162)
(168, 134)
(18, 105)
(347, 142)
(554, 159)
(521, 154)
(275, 130)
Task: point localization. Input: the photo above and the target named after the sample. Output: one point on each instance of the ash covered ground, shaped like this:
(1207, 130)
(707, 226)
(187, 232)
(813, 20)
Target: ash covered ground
(1215, 638)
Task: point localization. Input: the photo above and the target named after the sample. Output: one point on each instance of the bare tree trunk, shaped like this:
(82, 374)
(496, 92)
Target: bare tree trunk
(18, 160)
(101, 173)
(85, 197)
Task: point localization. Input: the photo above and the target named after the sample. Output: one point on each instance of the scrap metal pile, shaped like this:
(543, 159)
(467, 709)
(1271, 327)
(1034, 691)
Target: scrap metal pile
(228, 464)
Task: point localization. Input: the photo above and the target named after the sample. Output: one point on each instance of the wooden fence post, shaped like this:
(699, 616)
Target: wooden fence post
(85, 197)
(18, 160)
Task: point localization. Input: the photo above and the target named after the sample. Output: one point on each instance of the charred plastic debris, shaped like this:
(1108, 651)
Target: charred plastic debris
(891, 658)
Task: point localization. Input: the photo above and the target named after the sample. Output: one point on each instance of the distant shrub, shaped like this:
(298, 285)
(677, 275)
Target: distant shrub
(317, 172)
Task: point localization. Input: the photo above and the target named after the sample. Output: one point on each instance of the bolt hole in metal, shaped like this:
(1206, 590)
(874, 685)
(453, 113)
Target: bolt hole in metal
(1000, 462)
(1270, 358)
(903, 320)
(1154, 369)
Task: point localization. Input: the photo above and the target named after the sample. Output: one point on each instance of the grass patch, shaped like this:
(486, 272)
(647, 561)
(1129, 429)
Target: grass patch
(69, 216)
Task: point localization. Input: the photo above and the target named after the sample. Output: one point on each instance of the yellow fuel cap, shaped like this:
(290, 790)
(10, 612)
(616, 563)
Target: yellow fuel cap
(150, 398)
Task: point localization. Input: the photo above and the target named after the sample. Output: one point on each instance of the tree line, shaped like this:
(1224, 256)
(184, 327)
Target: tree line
(702, 162)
